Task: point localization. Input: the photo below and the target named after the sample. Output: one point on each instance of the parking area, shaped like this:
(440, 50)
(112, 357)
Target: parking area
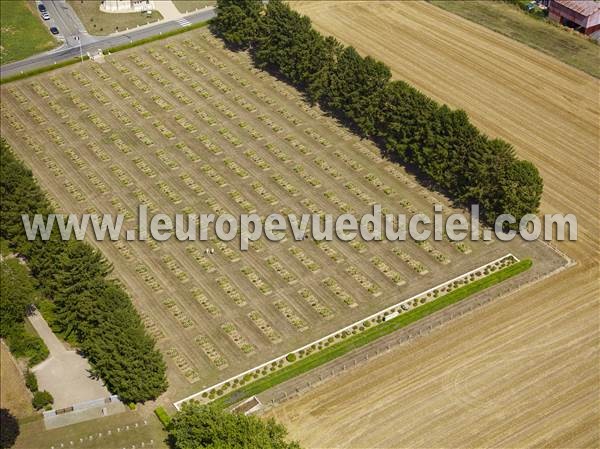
(65, 374)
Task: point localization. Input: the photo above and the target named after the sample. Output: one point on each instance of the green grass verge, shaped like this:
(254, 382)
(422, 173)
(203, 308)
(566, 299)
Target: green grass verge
(373, 333)
(159, 36)
(562, 43)
(162, 416)
(116, 49)
(23, 33)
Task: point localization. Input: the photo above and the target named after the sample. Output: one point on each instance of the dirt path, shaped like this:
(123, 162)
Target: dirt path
(520, 372)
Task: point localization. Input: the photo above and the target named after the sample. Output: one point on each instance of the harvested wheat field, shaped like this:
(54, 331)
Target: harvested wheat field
(522, 371)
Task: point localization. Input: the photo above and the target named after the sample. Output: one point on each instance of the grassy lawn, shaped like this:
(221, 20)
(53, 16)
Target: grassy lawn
(101, 23)
(371, 334)
(565, 45)
(191, 5)
(34, 435)
(23, 33)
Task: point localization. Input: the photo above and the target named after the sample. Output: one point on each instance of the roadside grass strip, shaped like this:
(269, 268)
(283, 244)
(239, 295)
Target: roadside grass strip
(75, 60)
(371, 332)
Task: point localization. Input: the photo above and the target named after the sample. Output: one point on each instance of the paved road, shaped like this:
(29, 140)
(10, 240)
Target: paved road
(62, 13)
(64, 18)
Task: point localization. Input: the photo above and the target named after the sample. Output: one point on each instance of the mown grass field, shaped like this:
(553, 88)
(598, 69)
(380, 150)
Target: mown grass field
(126, 429)
(566, 45)
(184, 125)
(23, 33)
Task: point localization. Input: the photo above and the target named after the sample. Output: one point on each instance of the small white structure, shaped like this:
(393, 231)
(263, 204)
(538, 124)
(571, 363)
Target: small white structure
(124, 6)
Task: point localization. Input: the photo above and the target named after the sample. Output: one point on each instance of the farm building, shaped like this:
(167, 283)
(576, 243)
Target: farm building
(583, 15)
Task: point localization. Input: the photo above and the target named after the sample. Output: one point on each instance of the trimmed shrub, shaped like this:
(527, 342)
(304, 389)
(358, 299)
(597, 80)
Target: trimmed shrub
(291, 357)
(162, 416)
(31, 381)
(41, 399)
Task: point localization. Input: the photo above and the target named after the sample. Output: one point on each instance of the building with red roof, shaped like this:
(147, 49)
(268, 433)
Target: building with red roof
(583, 15)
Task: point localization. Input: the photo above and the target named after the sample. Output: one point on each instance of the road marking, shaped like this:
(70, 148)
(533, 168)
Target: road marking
(184, 22)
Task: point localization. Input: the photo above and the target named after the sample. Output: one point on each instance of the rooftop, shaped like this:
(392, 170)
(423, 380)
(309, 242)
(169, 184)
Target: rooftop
(584, 7)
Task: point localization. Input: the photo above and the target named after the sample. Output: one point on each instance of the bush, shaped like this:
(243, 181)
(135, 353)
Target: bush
(23, 344)
(162, 416)
(208, 426)
(291, 357)
(31, 381)
(41, 399)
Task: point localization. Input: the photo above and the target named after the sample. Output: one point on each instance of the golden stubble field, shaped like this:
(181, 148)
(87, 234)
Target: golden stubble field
(522, 371)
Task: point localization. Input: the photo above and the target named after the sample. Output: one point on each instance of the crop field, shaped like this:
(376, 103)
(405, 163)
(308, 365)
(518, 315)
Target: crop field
(184, 125)
(521, 372)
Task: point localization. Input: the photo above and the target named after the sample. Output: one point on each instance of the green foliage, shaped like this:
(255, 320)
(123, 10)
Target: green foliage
(291, 357)
(356, 85)
(162, 416)
(23, 34)
(41, 399)
(17, 293)
(31, 381)
(24, 344)
(87, 307)
(237, 21)
(198, 426)
(437, 142)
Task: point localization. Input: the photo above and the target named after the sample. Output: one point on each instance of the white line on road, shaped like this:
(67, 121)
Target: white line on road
(184, 22)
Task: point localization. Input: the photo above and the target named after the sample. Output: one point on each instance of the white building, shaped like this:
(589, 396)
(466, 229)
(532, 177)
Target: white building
(116, 6)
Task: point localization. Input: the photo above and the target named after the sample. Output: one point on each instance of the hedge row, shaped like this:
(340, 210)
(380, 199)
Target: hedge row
(89, 307)
(438, 143)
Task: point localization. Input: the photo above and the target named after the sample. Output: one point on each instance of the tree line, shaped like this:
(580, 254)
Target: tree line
(433, 140)
(18, 293)
(89, 307)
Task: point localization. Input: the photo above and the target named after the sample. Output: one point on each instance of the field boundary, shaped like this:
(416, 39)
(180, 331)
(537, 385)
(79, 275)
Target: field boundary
(377, 331)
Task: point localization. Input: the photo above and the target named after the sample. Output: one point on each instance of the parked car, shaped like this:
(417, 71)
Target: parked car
(41, 7)
(54, 30)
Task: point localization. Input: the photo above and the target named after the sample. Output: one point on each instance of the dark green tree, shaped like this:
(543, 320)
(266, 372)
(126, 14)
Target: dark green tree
(198, 426)
(9, 429)
(17, 294)
(238, 21)
(20, 194)
(356, 87)
(41, 399)
(88, 306)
